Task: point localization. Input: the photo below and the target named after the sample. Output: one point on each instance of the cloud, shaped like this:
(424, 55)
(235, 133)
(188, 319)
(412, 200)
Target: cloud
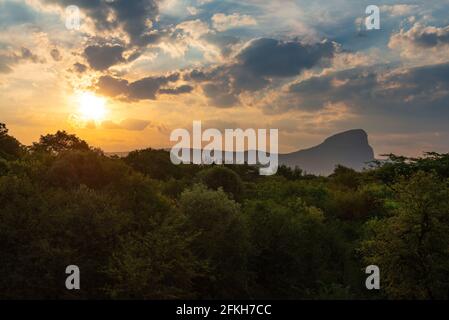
(257, 65)
(195, 28)
(224, 42)
(188, 35)
(9, 60)
(275, 58)
(197, 76)
(79, 67)
(192, 10)
(5, 64)
(26, 54)
(102, 57)
(127, 124)
(133, 17)
(220, 94)
(286, 125)
(422, 36)
(398, 10)
(217, 85)
(420, 42)
(112, 87)
(148, 87)
(417, 96)
(143, 89)
(56, 55)
(222, 22)
(178, 90)
(315, 93)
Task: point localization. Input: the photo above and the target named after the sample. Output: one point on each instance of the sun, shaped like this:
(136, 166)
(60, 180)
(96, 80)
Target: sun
(91, 107)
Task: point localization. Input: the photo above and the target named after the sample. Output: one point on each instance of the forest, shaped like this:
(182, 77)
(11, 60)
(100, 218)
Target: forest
(140, 227)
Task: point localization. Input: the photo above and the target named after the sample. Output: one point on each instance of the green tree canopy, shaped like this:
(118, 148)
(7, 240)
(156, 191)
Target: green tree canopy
(411, 245)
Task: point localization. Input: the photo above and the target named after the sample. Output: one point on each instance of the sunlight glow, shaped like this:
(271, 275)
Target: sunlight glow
(91, 107)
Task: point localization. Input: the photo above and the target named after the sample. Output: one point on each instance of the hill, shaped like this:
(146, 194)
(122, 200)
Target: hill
(350, 149)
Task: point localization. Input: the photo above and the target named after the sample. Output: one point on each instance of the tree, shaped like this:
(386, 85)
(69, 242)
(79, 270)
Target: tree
(289, 173)
(222, 241)
(10, 148)
(221, 177)
(293, 250)
(411, 245)
(154, 163)
(157, 264)
(59, 142)
(399, 166)
(73, 168)
(346, 177)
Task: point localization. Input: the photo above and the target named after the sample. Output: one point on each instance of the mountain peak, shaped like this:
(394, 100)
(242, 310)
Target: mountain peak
(349, 148)
(354, 136)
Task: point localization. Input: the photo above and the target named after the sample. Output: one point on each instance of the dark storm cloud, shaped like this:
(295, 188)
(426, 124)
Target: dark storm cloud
(276, 58)
(133, 17)
(130, 15)
(101, 57)
(420, 93)
(144, 89)
(148, 87)
(255, 67)
(263, 60)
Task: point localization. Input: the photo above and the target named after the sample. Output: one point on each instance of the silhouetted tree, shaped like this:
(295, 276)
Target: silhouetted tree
(59, 142)
(10, 148)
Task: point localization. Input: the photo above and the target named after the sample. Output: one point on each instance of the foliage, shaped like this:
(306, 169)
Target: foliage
(222, 177)
(221, 241)
(411, 246)
(58, 142)
(10, 148)
(140, 227)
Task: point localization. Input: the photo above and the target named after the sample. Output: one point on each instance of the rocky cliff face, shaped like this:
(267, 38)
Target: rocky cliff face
(350, 149)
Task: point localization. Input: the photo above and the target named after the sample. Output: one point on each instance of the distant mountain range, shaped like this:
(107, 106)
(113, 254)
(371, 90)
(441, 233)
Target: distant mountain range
(350, 149)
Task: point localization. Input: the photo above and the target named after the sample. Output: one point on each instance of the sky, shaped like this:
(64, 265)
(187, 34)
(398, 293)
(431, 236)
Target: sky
(135, 70)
